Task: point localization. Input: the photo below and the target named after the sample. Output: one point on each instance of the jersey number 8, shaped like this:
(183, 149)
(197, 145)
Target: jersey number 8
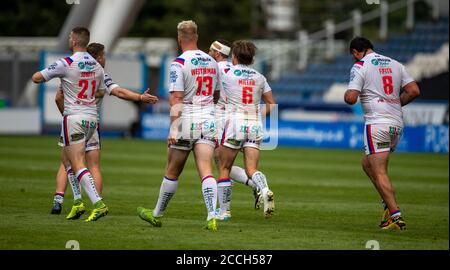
(387, 85)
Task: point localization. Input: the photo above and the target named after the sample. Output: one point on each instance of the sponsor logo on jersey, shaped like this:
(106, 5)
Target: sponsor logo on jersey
(77, 137)
(352, 75)
(374, 62)
(383, 145)
(234, 142)
(395, 130)
(92, 144)
(383, 61)
(87, 65)
(52, 66)
(237, 72)
(88, 124)
(202, 61)
(173, 76)
(108, 81)
(183, 143)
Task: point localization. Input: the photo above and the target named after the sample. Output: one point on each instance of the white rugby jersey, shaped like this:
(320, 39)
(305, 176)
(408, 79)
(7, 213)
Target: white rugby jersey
(196, 74)
(242, 88)
(224, 67)
(380, 79)
(81, 76)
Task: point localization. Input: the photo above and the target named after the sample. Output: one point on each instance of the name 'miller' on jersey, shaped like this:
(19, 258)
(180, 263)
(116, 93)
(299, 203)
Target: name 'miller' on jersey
(197, 75)
(242, 88)
(380, 80)
(81, 76)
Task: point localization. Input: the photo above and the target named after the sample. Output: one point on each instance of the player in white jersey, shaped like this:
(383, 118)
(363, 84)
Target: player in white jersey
(243, 89)
(220, 51)
(81, 76)
(193, 80)
(93, 146)
(384, 87)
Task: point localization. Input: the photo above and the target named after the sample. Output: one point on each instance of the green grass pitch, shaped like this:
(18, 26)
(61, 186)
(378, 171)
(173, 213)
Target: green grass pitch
(323, 201)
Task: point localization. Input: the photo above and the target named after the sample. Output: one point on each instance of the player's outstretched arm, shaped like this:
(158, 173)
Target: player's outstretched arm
(351, 96)
(410, 92)
(126, 94)
(37, 77)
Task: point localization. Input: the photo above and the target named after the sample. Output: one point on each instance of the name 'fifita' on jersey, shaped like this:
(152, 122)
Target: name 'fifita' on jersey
(380, 80)
(196, 74)
(81, 76)
(242, 88)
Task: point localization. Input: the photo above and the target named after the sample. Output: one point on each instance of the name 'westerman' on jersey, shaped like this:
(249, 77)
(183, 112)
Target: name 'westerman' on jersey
(196, 74)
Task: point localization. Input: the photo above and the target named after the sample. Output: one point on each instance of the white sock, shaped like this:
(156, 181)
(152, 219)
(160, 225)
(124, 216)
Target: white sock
(260, 181)
(74, 184)
(87, 182)
(59, 197)
(238, 174)
(166, 192)
(224, 188)
(209, 190)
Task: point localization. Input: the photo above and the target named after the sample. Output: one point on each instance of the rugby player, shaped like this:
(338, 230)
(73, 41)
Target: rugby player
(384, 87)
(243, 87)
(220, 51)
(81, 76)
(93, 146)
(193, 80)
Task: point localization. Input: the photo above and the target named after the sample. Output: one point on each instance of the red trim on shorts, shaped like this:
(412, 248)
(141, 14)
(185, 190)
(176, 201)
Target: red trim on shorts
(369, 139)
(66, 133)
(222, 140)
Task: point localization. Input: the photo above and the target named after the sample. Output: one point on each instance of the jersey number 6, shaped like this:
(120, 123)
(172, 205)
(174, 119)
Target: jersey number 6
(247, 95)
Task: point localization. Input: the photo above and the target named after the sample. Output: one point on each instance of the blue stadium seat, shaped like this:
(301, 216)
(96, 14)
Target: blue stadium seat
(310, 85)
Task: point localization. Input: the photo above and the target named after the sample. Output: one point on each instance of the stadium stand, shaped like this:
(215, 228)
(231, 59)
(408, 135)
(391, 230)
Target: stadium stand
(310, 86)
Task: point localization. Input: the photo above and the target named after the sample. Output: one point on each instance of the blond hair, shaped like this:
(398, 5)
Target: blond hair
(187, 30)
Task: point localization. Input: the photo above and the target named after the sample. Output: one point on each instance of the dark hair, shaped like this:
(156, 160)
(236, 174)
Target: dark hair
(94, 49)
(360, 44)
(82, 36)
(244, 51)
